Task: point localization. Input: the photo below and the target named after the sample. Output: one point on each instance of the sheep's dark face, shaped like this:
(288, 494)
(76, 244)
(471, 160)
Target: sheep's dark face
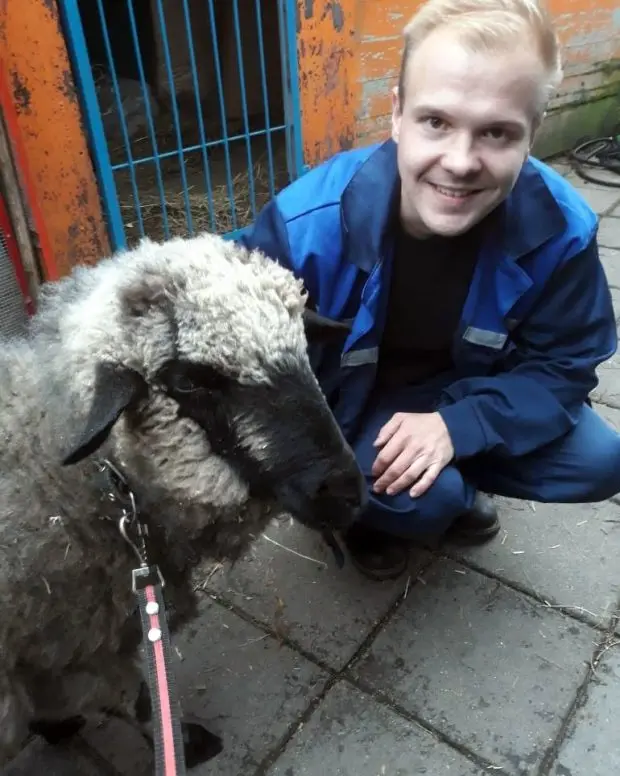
(206, 367)
(279, 435)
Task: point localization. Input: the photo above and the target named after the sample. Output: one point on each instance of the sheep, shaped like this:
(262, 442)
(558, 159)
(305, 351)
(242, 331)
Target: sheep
(185, 365)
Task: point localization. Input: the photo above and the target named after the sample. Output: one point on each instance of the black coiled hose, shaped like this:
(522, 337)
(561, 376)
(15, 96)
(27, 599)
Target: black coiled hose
(602, 153)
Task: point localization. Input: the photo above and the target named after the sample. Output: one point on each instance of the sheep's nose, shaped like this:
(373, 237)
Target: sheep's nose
(349, 488)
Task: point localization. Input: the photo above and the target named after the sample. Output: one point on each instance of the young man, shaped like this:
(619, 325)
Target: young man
(470, 274)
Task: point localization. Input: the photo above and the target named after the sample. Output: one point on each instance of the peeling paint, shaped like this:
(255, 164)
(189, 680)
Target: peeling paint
(82, 194)
(332, 8)
(51, 7)
(337, 14)
(21, 92)
(328, 78)
(50, 126)
(376, 98)
(331, 69)
(67, 87)
(346, 141)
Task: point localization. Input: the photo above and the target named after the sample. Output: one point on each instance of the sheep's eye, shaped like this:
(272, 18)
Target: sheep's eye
(186, 379)
(184, 384)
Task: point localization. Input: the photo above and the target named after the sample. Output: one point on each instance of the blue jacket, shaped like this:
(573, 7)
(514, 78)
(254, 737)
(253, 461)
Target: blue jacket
(537, 320)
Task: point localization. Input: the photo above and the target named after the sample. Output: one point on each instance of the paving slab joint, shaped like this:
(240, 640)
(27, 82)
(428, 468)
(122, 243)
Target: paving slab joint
(384, 699)
(336, 676)
(573, 612)
(609, 640)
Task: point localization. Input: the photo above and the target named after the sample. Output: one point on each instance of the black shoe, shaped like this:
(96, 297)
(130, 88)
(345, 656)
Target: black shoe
(377, 555)
(477, 526)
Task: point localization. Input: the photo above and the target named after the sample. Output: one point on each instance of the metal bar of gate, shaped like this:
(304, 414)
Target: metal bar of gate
(131, 161)
(76, 45)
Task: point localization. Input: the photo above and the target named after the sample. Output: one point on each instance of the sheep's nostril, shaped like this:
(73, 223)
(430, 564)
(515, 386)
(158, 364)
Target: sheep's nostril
(349, 490)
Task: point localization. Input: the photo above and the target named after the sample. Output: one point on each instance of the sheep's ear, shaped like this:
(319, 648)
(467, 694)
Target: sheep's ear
(116, 387)
(150, 291)
(321, 329)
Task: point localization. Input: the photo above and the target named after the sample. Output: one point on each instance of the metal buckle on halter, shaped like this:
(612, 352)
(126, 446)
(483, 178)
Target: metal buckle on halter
(145, 576)
(119, 489)
(133, 530)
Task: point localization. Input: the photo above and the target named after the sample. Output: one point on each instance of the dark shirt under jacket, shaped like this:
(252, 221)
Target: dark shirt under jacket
(429, 284)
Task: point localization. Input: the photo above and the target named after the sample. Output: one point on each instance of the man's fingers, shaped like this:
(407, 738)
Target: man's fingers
(386, 457)
(395, 470)
(408, 477)
(388, 430)
(425, 481)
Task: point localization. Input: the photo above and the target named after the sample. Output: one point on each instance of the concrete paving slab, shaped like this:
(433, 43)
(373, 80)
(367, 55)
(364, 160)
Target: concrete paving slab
(562, 166)
(327, 611)
(610, 259)
(353, 735)
(609, 232)
(564, 553)
(247, 687)
(591, 744)
(601, 200)
(605, 176)
(608, 389)
(611, 415)
(487, 667)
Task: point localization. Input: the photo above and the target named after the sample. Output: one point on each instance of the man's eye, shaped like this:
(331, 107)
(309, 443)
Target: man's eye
(496, 133)
(434, 122)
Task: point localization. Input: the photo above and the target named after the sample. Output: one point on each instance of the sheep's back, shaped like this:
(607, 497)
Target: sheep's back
(57, 554)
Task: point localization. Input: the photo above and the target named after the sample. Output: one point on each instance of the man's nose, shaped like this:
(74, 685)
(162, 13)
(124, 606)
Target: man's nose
(460, 157)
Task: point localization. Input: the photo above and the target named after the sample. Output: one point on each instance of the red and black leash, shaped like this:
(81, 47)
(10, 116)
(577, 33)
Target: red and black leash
(147, 584)
(167, 734)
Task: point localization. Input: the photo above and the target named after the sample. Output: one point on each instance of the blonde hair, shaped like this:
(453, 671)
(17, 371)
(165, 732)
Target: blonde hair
(487, 25)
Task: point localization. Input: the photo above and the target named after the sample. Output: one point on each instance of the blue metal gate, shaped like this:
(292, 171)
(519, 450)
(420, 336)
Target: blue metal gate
(164, 167)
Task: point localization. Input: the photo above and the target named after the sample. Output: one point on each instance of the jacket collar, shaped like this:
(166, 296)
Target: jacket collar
(527, 218)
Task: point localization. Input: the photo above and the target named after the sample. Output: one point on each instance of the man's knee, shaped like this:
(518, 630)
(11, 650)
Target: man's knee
(428, 515)
(583, 466)
(599, 469)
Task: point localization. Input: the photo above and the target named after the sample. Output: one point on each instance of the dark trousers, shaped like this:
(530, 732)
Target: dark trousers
(582, 466)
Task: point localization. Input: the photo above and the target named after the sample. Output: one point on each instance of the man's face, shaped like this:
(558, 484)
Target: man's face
(464, 132)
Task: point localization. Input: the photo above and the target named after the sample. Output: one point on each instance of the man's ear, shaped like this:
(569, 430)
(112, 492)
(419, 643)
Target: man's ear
(116, 387)
(396, 114)
(537, 122)
(320, 329)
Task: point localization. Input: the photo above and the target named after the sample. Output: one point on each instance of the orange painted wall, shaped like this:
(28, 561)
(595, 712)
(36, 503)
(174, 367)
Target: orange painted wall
(329, 76)
(51, 136)
(346, 78)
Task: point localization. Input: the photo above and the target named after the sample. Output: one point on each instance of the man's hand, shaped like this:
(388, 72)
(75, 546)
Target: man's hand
(416, 447)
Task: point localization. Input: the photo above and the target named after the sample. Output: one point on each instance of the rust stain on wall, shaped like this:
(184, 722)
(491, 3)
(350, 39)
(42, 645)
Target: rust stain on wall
(50, 123)
(328, 76)
(21, 93)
